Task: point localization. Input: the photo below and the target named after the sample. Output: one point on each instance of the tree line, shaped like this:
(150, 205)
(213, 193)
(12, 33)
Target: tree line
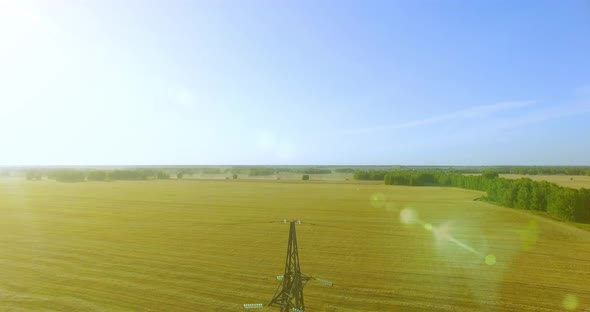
(264, 171)
(524, 170)
(34, 175)
(562, 203)
(75, 175)
(377, 175)
(539, 170)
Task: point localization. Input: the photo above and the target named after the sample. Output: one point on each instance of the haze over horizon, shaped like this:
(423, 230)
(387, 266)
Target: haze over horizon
(300, 82)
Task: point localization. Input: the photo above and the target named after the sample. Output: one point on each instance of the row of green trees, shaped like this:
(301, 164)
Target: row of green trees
(73, 175)
(264, 171)
(67, 175)
(344, 170)
(528, 170)
(34, 175)
(525, 170)
(211, 170)
(314, 171)
(550, 170)
(371, 174)
(560, 202)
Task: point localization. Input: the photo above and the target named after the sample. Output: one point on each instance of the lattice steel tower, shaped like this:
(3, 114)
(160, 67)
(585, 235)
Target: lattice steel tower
(289, 294)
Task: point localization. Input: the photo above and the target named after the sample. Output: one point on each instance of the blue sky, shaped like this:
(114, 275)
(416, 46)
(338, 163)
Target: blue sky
(295, 82)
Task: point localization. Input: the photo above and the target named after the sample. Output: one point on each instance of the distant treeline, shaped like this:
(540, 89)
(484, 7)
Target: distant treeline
(559, 202)
(79, 175)
(377, 175)
(254, 171)
(264, 171)
(363, 174)
(530, 170)
(211, 170)
(83, 174)
(34, 175)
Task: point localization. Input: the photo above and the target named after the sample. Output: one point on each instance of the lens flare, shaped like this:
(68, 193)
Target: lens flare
(408, 216)
(390, 206)
(442, 234)
(570, 302)
(529, 235)
(378, 200)
(490, 259)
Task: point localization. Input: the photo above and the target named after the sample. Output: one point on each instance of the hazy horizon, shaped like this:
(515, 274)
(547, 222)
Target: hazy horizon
(297, 83)
(287, 165)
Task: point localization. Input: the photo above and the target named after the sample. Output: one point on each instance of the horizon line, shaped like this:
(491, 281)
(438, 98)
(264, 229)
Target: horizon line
(286, 165)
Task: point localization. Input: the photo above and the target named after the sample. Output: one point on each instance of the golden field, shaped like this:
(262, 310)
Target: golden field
(213, 245)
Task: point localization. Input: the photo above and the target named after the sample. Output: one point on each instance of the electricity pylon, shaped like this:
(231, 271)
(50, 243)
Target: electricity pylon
(289, 295)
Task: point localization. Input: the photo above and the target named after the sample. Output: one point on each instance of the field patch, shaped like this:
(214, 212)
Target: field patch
(573, 181)
(198, 245)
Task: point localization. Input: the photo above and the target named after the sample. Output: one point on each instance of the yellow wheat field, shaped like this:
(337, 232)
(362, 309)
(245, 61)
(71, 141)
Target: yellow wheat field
(198, 245)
